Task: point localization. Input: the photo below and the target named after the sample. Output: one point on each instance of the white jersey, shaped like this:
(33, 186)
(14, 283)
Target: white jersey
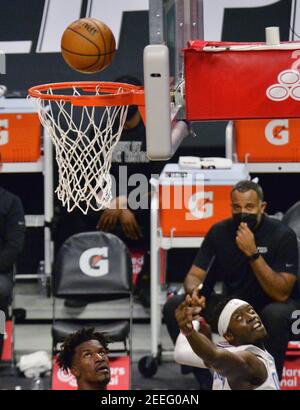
(271, 383)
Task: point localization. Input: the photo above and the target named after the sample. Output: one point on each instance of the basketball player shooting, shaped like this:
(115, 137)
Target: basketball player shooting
(240, 363)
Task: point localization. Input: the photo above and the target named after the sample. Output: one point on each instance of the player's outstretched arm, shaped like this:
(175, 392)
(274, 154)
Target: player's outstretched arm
(235, 366)
(238, 368)
(183, 353)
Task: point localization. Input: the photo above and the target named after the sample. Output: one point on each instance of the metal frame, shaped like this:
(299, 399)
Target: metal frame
(157, 297)
(44, 165)
(48, 204)
(164, 136)
(189, 25)
(112, 93)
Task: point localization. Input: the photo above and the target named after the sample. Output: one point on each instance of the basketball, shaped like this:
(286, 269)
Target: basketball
(88, 45)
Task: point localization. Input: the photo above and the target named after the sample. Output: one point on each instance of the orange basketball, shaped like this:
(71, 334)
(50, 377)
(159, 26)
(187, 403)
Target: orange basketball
(88, 45)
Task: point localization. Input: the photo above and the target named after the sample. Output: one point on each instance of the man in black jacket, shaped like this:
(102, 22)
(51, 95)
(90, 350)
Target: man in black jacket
(12, 234)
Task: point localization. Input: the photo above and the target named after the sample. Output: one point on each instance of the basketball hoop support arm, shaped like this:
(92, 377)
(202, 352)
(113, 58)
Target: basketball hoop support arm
(163, 133)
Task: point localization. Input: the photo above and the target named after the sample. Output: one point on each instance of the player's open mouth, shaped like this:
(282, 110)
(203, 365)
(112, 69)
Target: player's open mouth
(257, 325)
(102, 368)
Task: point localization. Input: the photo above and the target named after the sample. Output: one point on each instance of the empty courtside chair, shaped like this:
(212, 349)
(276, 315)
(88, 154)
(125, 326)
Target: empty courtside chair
(95, 266)
(292, 219)
(8, 351)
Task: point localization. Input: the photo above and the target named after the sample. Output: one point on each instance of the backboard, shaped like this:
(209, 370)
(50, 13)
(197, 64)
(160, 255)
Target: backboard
(171, 24)
(174, 23)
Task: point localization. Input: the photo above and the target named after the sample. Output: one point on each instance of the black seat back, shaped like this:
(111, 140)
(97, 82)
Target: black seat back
(93, 264)
(292, 219)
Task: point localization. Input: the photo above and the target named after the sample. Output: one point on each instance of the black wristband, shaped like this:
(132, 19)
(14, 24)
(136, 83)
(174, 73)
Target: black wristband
(253, 257)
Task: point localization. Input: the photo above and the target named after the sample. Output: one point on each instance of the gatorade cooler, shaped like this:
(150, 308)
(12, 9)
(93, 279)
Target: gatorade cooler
(192, 200)
(241, 80)
(20, 131)
(268, 140)
(291, 370)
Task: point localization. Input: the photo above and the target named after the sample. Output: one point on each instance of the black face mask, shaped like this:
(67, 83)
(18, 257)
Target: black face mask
(249, 219)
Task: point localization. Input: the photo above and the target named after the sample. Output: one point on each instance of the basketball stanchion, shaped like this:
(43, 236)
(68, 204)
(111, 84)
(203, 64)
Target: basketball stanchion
(85, 121)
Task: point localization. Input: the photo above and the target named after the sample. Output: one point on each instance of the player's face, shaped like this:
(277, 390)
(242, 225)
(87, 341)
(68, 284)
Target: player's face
(247, 207)
(246, 326)
(91, 365)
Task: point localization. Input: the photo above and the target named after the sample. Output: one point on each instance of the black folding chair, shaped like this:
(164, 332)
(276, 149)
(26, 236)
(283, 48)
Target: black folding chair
(292, 219)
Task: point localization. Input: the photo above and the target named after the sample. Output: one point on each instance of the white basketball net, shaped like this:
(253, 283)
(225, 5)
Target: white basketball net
(84, 145)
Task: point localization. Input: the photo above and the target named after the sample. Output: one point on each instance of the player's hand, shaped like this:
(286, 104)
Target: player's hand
(197, 298)
(129, 224)
(245, 240)
(108, 220)
(185, 314)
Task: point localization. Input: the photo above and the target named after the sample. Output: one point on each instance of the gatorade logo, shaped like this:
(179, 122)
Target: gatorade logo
(200, 205)
(94, 262)
(277, 132)
(4, 136)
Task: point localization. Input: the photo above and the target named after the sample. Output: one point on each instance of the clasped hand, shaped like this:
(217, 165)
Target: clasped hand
(190, 309)
(245, 240)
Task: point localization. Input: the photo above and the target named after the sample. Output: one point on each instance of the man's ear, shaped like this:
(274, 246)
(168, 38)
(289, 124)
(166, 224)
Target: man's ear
(75, 371)
(263, 206)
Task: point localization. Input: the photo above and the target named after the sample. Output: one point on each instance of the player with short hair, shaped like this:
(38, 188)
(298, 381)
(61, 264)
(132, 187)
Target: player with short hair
(84, 353)
(241, 363)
